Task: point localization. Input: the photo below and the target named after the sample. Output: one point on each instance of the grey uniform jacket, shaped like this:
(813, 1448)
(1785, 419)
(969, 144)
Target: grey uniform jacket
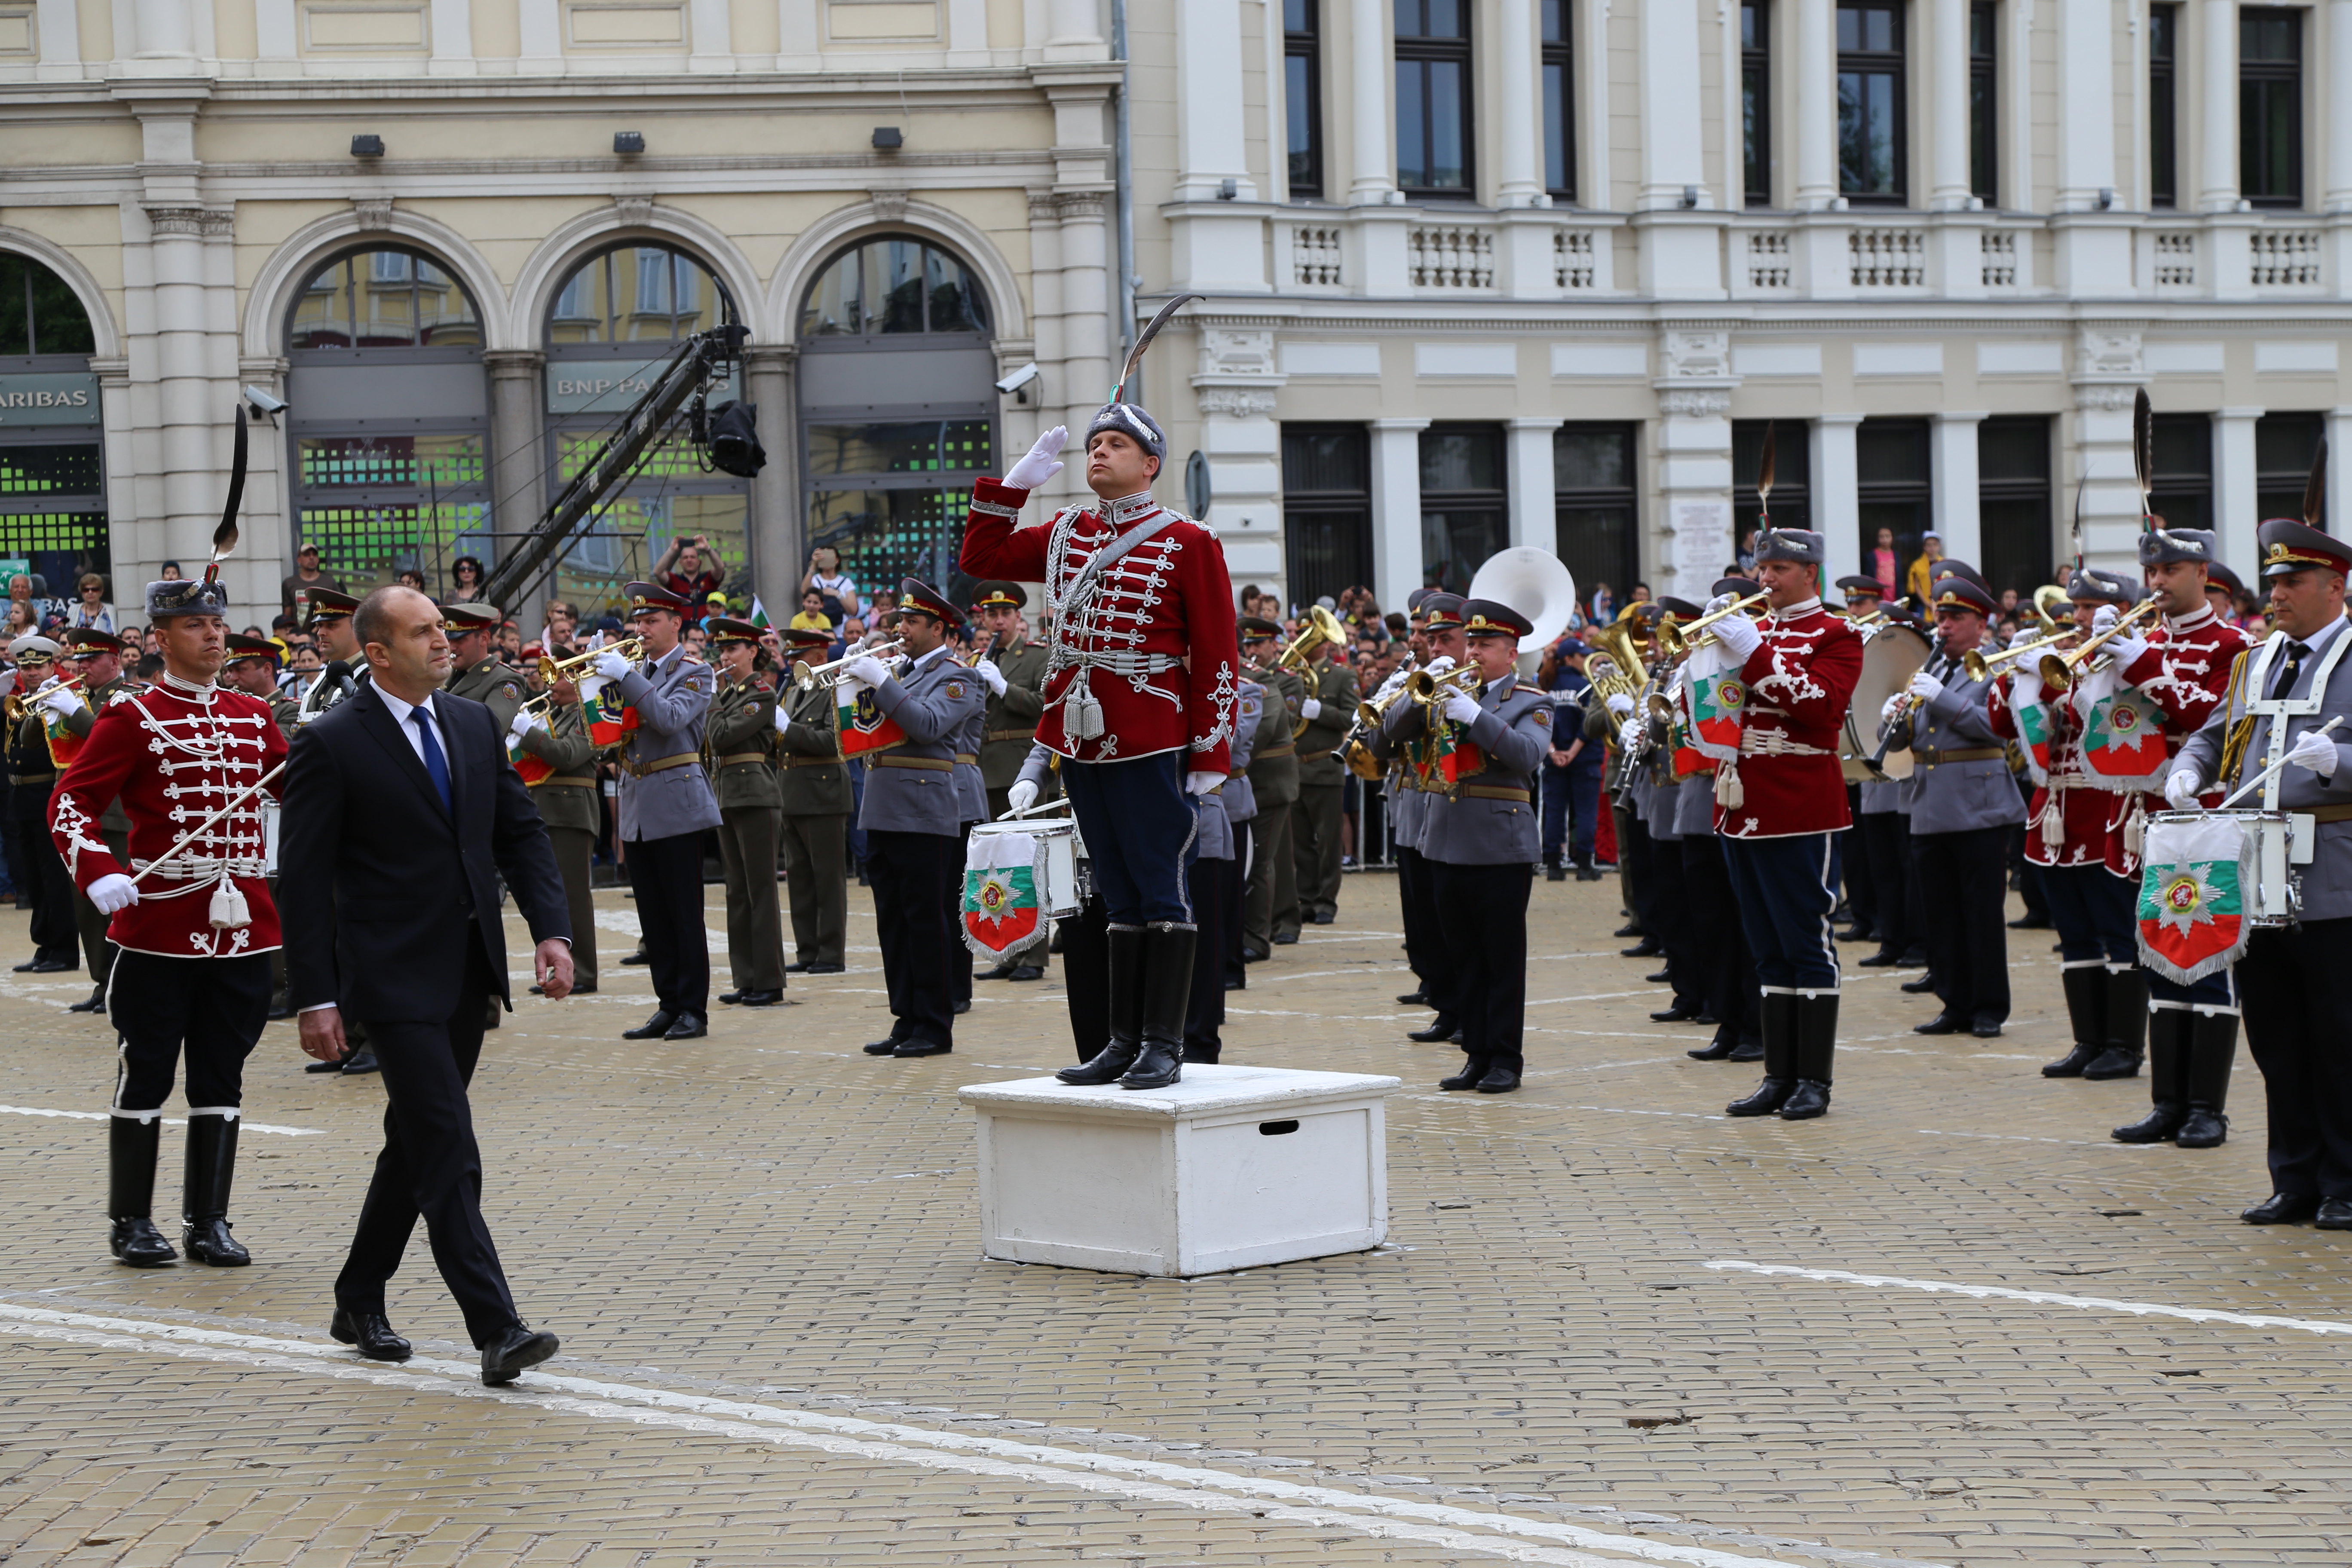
(2328, 881)
(1954, 798)
(672, 695)
(1249, 710)
(1408, 805)
(934, 703)
(1694, 806)
(1880, 796)
(1513, 731)
(971, 793)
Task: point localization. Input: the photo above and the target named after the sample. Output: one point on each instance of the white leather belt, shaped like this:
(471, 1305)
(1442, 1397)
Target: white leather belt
(1773, 743)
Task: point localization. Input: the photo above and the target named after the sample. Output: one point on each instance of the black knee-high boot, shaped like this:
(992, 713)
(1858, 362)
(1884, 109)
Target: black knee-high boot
(2126, 1018)
(1779, 1057)
(1167, 990)
(2212, 1047)
(2169, 1032)
(131, 1148)
(1816, 1044)
(204, 1204)
(1124, 974)
(2086, 1009)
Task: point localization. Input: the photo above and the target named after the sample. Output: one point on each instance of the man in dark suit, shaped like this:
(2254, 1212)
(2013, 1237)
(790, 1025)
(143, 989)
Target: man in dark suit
(399, 804)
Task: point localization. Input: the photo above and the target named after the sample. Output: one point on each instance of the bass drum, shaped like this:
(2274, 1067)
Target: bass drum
(1891, 656)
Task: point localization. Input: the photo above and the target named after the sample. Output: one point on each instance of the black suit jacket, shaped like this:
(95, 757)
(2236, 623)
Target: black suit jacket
(378, 888)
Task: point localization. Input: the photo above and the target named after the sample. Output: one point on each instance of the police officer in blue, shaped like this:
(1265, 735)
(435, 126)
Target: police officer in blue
(913, 815)
(1571, 772)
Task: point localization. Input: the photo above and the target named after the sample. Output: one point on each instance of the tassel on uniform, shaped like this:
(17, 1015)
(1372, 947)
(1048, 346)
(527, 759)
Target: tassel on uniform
(1730, 792)
(228, 907)
(2135, 830)
(2054, 823)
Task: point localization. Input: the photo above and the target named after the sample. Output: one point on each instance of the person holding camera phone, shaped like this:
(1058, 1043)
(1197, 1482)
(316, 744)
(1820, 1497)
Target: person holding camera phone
(825, 578)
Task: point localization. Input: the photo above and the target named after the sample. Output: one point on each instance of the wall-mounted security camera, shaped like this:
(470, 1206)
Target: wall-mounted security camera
(367, 145)
(1019, 380)
(628, 143)
(262, 403)
(888, 138)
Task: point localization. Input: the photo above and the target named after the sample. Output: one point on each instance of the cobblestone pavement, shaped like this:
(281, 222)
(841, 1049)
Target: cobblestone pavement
(1612, 1326)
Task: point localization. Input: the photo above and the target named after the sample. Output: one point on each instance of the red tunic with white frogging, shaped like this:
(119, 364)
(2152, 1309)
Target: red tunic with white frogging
(2078, 837)
(1156, 640)
(175, 754)
(1800, 682)
(2185, 673)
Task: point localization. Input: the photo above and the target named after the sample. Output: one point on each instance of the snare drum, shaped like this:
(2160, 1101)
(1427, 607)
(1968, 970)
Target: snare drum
(1058, 886)
(2276, 843)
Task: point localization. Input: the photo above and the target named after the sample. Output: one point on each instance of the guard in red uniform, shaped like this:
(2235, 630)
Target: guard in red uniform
(195, 929)
(1142, 685)
(2183, 667)
(1778, 810)
(2067, 836)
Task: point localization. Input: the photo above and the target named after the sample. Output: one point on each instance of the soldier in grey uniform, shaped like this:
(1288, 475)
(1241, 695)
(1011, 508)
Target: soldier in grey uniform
(812, 786)
(972, 807)
(666, 806)
(569, 802)
(1671, 918)
(1210, 874)
(2288, 982)
(739, 747)
(1438, 643)
(1270, 907)
(475, 669)
(96, 658)
(1883, 821)
(1241, 813)
(1329, 707)
(913, 815)
(1014, 669)
(1483, 840)
(1963, 805)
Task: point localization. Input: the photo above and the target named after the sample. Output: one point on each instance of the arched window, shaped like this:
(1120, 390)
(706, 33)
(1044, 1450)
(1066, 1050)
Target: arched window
(897, 407)
(53, 523)
(388, 411)
(614, 322)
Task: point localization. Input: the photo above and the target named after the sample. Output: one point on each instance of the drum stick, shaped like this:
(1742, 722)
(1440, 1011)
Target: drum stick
(188, 838)
(1056, 804)
(2260, 779)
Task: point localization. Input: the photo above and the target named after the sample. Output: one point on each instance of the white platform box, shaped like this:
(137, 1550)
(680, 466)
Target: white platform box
(1232, 1167)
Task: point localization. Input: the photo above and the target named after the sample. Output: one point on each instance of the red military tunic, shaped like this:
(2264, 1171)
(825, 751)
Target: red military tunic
(1156, 642)
(1800, 683)
(2185, 673)
(175, 754)
(2080, 826)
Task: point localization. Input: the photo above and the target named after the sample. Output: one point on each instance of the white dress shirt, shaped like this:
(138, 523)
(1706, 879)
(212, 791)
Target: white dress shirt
(401, 711)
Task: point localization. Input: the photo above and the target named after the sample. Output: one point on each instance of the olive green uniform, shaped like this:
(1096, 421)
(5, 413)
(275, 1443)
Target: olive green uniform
(1009, 724)
(567, 801)
(496, 686)
(814, 783)
(1271, 901)
(285, 711)
(1322, 776)
(113, 826)
(739, 750)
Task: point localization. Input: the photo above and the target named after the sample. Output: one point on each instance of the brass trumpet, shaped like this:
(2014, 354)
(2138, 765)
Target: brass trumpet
(1979, 664)
(20, 704)
(1425, 688)
(551, 671)
(808, 677)
(2058, 669)
(1678, 640)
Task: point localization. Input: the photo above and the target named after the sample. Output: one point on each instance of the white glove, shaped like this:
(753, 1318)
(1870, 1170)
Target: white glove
(1739, 635)
(113, 891)
(2103, 617)
(1439, 665)
(867, 668)
(1022, 795)
(1201, 783)
(525, 722)
(2180, 790)
(1887, 710)
(1460, 706)
(1041, 463)
(1310, 709)
(783, 719)
(2127, 649)
(1620, 704)
(986, 670)
(611, 665)
(60, 701)
(1926, 686)
(2313, 751)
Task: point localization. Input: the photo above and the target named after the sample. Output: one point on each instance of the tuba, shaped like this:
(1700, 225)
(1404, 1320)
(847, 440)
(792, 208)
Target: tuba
(1532, 581)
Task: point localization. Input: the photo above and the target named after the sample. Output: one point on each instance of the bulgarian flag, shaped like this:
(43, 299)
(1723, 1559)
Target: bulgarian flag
(759, 614)
(1002, 910)
(609, 718)
(64, 744)
(2192, 902)
(859, 724)
(1717, 703)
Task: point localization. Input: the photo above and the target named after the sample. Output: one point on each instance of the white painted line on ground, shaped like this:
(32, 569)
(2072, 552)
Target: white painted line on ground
(168, 1121)
(2037, 1298)
(2021, 1138)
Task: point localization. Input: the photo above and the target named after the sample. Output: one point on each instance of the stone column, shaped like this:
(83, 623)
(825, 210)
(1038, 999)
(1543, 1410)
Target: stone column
(1235, 384)
(1695, 458)
(1837, 494)
(2217, 143)
(2086, 104)
(2109, 369)
(453, 38)
(1048, 393)
(1371, 149)
(778, 548)
(1396, 509)
(1522, 182)
(519, 456)
(1535, 515)
(1815, 106)
(2338, 109)
(192, 428)
(1073, 31)
(1952, 474)
(1672, 157)
(1089, 337)
(1208, 146)
(57, 33)
(2237, 512)
(1947, 67)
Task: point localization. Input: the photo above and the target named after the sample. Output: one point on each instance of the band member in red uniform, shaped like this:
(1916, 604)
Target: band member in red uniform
(196, 931)
(1140, 689)
(1779, 808)
(2183, 667)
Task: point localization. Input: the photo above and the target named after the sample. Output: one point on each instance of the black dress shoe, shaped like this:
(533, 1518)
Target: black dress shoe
(1919, 987)
(1628, 929)
(638, 958)
(964, 1006)
(208, 1241)
(371, 1333)
(1913, 958)
(1286, 938)
(2281, 1209)
(2204, 1129)
(45, 966)
(1857, 933)
(361, 1062)
(582, 988)
(1027, 971)
(1648, 947)
(2334, 1214)
(1677, 1014)
(687, 1026)
(512, 1350)
(920, 1048)
(1717, 1049)
(1810, 1099)
(1325, 917)
(1466, 1079)
(1004, 971)
(2072, 1064)
(1941, 1024)
(279, 1012)
(828, 968)
(653, 1028)
(2116, 1061)
(1499, 1080)
(1554, 874)
(1413, 999)
(1443, 1029)
(138, 1243)
(1748, 1051)
(2163, 1120)
(335, 1066)
(1254, 955)
(1879, 960)
(796, 969)
(726, 998)
(1769, 1096)
(96, 1003)
(757, 998)
(2031, 922)
(888, 1047)
(1986, 1028)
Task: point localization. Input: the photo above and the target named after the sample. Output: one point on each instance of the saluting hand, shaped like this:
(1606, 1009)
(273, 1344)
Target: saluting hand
(1040, 463)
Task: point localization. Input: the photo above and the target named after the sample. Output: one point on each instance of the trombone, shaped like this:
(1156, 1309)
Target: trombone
(809, 677)
(1678, 640)
(2058, 669)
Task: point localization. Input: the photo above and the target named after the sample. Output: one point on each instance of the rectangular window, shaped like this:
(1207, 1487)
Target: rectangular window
(1464, 508)
(1984, 105)
(2013, 503)
(1756, 99)
(1892, 472)
(1596, 508)
(2184, 469)
(2163, 119)
(2270, 107)
(1869, 102)
(1432, 98)
(891, 496)
(1327, 510)
(2284, 445)
(1558, 102)
(1302, 95)
(1792, 472)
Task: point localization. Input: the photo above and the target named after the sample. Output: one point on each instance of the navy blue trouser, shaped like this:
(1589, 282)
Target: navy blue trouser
(2092, 908)
(1140, 828)
(1787, 889)
(1570, 797)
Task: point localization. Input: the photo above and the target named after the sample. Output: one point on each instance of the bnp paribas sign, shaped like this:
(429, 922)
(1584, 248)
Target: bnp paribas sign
(609, 386)
(70, 398)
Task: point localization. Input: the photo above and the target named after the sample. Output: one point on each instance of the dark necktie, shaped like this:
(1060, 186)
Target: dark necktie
(2289, 670)
(435, 763)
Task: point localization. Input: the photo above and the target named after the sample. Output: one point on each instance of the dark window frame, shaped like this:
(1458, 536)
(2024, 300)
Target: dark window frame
(1793, 479)
(2163, 106)
(1313, 517)
(1305, 45)
(1756, 102)
(1495, 500)
(1569, 498)
(2278, 487)
(1422, 49)
(2174, 485)
(1558, 29)
(2259, 80)
(1874, 495)
(1984, 102)
(2023, 559)
(1894, 64)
